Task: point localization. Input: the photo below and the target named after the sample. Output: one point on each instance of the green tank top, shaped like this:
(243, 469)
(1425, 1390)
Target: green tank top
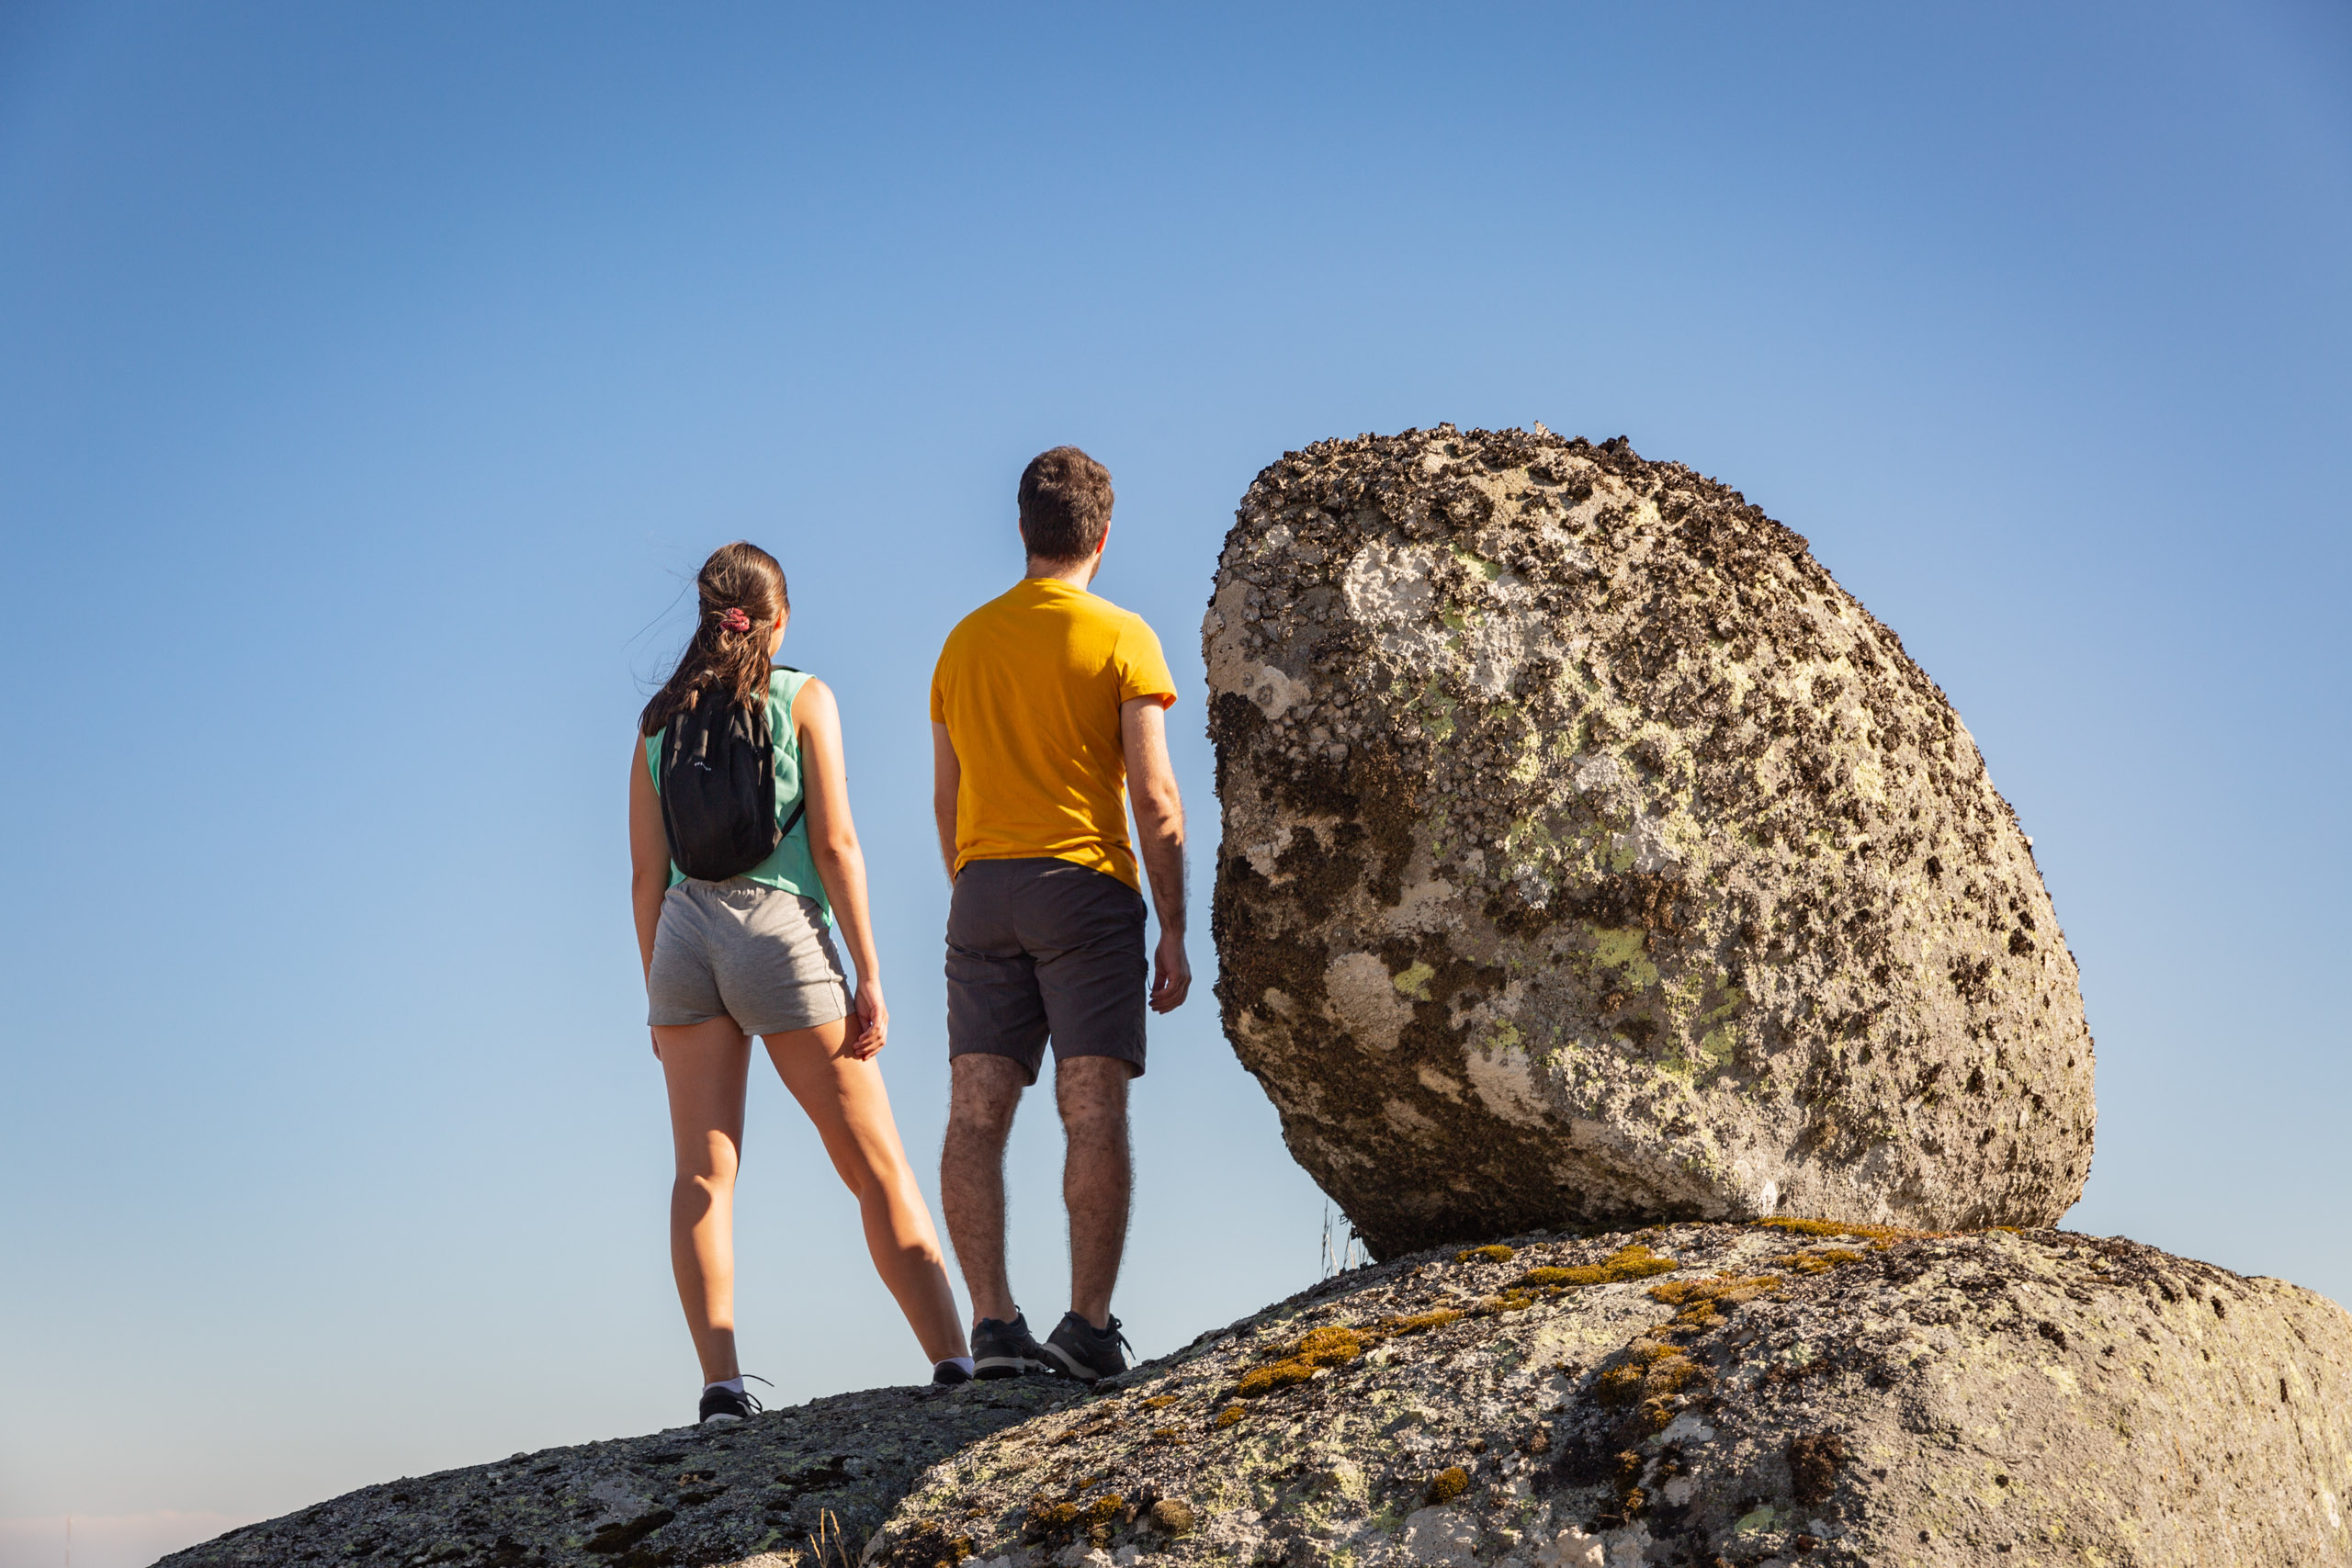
(789, 866)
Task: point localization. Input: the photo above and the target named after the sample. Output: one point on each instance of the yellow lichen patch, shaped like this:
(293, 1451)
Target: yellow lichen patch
(1104, 1507)
(1160, 1402)
(1229, 1415)
(1327, 1347)
(1816, 1262)
(1634, 1262)
(1418, 1322)
(1883, 1235)
(1650, 1372)
(1045, 1516)
(1495, 1254)
(1265, 1380)
(1449, 1484)
(1704, 1302)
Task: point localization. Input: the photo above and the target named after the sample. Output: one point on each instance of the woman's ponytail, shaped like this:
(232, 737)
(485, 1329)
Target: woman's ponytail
(742, 592)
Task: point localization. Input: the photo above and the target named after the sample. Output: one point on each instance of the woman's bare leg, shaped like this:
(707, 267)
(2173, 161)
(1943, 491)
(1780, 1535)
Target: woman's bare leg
(707, 1066)
(846, 1099)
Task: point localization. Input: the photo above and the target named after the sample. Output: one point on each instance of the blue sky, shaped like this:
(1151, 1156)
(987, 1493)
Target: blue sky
(372, 378)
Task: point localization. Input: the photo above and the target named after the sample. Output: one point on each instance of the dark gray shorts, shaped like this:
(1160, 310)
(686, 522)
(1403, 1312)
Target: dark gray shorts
(1044, 949)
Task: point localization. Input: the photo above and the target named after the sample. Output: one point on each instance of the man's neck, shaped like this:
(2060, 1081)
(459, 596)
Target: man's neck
(1077, 573)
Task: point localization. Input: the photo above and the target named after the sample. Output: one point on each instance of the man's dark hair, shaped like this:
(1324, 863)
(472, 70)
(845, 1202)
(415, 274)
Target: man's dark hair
(1064, 504)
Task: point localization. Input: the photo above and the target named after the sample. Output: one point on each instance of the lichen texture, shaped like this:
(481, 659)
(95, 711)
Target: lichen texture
(1591, 856)
(2029, 1399)
(805, 1485)
(1691, 1395)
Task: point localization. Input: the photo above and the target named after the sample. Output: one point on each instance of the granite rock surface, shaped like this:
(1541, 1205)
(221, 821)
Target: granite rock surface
(780, 1488)
(1700, 1394)
(1591, 856)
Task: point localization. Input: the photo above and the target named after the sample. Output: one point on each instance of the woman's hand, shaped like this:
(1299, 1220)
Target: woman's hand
(869, 1020)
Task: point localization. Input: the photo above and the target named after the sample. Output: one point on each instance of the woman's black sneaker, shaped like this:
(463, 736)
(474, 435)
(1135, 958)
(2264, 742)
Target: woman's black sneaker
(1001, 1350)
(724, 1407)
(947, 1374)
(1085, 1353)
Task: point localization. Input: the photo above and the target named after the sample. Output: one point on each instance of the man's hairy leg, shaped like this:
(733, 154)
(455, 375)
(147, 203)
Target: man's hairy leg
(984, 1093)
(1097, 1174)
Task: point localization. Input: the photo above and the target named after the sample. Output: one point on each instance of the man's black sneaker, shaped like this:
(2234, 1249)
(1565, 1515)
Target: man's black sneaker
(1001, 1350)
(724, 1407)
(1085, 1353)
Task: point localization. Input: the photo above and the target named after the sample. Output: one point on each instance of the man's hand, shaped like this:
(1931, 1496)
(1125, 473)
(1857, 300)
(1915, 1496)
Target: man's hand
(1159, 836)
(1171, 972)
(869, 1021)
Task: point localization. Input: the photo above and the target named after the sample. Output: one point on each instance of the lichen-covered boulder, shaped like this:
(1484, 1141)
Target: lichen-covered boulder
(1590, 855)
(805, 1484)
(1699, 1393)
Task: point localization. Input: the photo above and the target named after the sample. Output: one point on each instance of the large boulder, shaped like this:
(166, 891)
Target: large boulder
(1591, 856)
(1699, 1394)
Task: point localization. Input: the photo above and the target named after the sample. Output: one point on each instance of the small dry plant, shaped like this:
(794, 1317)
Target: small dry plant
(829, 1547)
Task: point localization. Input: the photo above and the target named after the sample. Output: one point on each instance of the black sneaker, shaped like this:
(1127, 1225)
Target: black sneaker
(947, 1374)
(724, 1407)
(1085, 1353)
(1001, 1350)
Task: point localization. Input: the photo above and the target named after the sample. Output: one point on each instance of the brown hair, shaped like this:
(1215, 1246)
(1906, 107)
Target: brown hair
(1064, 504)
(738, 578)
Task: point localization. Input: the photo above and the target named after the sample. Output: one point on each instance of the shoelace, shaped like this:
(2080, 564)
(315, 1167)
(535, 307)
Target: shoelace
(1115, 1332)
(751, 1400)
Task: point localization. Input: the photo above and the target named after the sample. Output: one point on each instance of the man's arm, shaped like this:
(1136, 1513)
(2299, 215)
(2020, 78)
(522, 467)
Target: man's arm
(946, 777)
(1160, 834)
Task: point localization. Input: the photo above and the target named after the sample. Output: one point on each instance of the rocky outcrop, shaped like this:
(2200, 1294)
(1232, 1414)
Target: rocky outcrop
(1694, 1393)
(1591, 856)
(807, 1485)
(1701, 1395)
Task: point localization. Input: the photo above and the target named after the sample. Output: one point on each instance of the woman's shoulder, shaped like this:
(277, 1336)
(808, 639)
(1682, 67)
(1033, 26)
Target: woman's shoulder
(785, 683)
(798, 691)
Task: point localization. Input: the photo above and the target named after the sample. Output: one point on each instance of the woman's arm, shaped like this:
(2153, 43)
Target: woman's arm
(841, 864)
(648, 856)
(648, 853)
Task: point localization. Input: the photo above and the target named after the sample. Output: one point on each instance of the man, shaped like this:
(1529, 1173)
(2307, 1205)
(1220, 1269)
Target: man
(1047, 703)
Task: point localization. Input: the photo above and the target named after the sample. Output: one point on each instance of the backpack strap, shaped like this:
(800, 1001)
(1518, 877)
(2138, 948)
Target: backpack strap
(800, 805)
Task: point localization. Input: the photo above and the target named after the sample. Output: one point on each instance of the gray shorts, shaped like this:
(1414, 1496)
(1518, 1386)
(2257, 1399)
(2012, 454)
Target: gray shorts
(758, 955)
(1040, 949)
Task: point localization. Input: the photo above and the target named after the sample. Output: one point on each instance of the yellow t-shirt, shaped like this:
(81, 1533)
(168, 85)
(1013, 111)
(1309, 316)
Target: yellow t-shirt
(1029, 687)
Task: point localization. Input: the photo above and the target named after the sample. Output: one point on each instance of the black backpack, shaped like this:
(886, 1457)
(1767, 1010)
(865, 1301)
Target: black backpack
(719, 788)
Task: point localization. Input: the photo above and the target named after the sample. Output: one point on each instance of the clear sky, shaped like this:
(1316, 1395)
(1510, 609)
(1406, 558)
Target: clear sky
(373, 377)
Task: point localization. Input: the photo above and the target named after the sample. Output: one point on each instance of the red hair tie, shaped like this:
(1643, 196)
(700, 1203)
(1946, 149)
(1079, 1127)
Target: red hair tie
(735, 620)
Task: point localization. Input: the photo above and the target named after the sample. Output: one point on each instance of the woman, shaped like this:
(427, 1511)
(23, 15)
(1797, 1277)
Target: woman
(754, 954)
